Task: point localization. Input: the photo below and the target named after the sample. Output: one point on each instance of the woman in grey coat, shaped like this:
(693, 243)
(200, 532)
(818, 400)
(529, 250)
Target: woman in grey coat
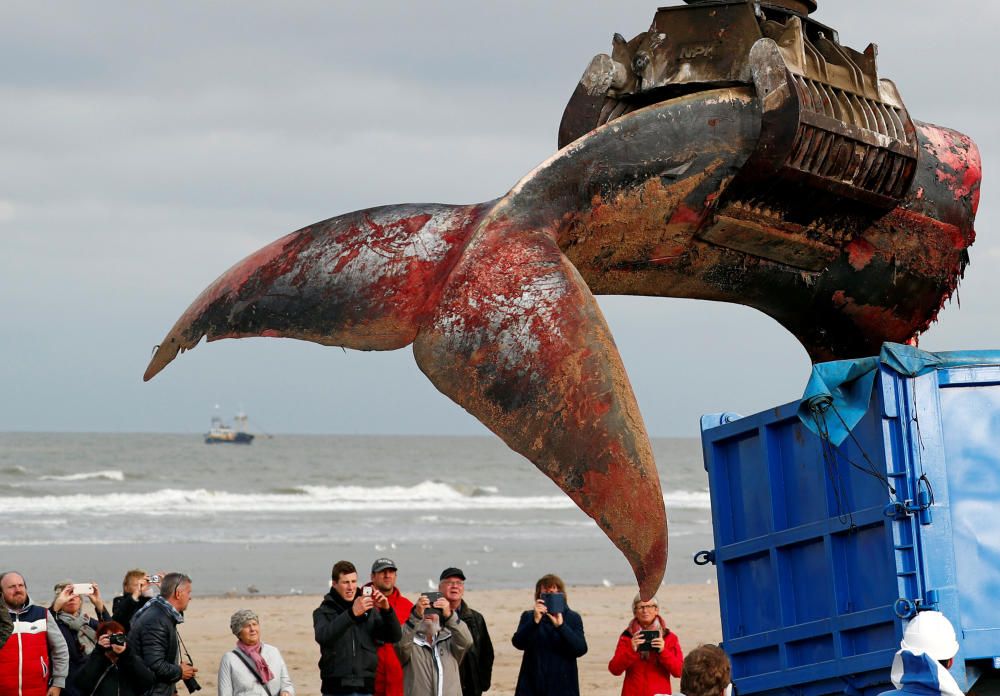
(252, 668)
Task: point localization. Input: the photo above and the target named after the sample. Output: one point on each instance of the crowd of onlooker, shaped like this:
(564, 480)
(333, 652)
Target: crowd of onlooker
(372, 640)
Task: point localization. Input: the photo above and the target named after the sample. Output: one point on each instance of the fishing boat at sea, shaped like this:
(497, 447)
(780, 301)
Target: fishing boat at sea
(221, 432)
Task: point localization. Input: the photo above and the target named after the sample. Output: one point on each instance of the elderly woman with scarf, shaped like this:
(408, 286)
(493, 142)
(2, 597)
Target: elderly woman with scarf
(647, 664)
(253, 668)
(79, 630)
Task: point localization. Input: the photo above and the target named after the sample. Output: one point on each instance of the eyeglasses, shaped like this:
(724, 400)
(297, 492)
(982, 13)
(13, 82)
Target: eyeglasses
(640, 607)
(453, 583)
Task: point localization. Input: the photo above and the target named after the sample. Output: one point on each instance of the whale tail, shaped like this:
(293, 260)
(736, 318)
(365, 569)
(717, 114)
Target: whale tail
(501, 322)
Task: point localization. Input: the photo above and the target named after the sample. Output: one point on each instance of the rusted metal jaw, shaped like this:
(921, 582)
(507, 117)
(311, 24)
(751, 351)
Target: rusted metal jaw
(815, 206)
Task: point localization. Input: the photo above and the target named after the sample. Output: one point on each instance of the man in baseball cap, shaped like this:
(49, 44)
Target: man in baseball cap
(476, 668)
(389, 673)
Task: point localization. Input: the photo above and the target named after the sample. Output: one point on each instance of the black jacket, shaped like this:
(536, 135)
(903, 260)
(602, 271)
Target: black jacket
(77, 657)
(476, 668)
(123, 608)
(154, 639)
(6, 624)
(100, 677)
(347, 644)
(548, 667)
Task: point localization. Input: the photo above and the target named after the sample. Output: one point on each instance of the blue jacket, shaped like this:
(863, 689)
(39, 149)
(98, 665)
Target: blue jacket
(548, 667)
(920, 675)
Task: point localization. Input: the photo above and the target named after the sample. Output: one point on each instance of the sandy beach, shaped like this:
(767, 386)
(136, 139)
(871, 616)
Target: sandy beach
(691, 611)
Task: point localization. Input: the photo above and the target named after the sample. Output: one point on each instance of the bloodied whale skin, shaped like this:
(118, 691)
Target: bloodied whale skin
(497, 298)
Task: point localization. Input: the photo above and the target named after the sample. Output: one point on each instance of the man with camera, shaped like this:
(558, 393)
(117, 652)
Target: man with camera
(389, 673)
(35, 660)
(476, 669)
(155, 639)
(347, 626)
(435, 640)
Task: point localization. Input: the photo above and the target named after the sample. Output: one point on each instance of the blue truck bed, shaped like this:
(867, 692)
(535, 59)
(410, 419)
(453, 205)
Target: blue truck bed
(823, 551)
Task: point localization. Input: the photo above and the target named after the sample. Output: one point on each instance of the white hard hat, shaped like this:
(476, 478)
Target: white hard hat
(930, 632)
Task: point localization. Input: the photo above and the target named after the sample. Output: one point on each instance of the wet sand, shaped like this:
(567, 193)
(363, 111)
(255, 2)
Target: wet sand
(691, 611)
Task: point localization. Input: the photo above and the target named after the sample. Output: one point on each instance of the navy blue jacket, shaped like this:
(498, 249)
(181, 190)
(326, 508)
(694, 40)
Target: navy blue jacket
(77, 657)
(548, 667)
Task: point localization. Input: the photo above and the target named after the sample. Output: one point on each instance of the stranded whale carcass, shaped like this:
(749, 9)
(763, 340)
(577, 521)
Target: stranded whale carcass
(735, 152)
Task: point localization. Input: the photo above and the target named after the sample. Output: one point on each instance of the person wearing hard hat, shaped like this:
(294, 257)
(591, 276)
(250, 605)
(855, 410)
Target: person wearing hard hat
(926, 653)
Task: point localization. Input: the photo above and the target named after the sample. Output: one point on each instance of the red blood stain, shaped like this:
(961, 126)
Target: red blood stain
(684, 215)
(860, 253)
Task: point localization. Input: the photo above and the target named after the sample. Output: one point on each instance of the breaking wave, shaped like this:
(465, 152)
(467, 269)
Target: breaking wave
(108, 474)
(427, 495)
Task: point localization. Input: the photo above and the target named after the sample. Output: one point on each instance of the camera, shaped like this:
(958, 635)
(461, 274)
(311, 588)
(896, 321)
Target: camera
(157, 578)
(83, 588)
(116, 638)
(192, 685)
(366, 591)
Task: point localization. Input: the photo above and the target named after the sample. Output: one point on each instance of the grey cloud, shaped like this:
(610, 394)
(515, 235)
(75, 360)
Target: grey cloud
(147, 147)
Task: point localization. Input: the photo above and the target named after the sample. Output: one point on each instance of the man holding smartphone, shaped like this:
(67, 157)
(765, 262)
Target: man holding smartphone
(389, 673)
(347, 625)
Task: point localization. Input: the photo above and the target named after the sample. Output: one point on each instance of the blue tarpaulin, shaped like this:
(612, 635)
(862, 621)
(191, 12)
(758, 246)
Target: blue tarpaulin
(844, 387)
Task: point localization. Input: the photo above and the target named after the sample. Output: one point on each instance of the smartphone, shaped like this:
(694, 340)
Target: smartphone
(83, 588)
(555, 602)
(366, 590)
(647, 640)
(432, 597)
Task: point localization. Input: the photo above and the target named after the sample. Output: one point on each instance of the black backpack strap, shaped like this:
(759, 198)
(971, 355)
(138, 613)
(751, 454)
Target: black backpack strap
(252, 667)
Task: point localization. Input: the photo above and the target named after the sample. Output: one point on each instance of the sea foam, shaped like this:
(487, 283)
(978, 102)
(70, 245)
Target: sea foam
(108, 474)
(426, 495)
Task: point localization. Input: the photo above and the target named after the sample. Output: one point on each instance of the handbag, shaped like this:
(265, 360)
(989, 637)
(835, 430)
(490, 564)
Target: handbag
(253, 670)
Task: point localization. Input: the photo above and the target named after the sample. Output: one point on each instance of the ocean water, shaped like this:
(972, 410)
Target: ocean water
(275, 515)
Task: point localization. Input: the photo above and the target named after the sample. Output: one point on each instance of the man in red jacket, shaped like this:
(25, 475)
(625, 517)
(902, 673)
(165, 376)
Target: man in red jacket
(389, 673)
(648, 652)
(35, 660)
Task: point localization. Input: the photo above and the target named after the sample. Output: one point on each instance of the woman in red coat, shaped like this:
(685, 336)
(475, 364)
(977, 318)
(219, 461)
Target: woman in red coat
(647, 660)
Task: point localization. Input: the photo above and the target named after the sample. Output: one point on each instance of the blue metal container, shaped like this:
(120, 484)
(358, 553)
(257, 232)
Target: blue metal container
(823, 552)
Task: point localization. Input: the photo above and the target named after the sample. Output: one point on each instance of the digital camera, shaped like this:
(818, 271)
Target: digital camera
(116, 638)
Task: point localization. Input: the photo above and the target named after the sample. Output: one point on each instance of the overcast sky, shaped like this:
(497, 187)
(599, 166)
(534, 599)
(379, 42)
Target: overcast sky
(146, 147)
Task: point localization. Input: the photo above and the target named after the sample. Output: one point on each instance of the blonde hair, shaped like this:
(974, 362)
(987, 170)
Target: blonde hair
(134, 574)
